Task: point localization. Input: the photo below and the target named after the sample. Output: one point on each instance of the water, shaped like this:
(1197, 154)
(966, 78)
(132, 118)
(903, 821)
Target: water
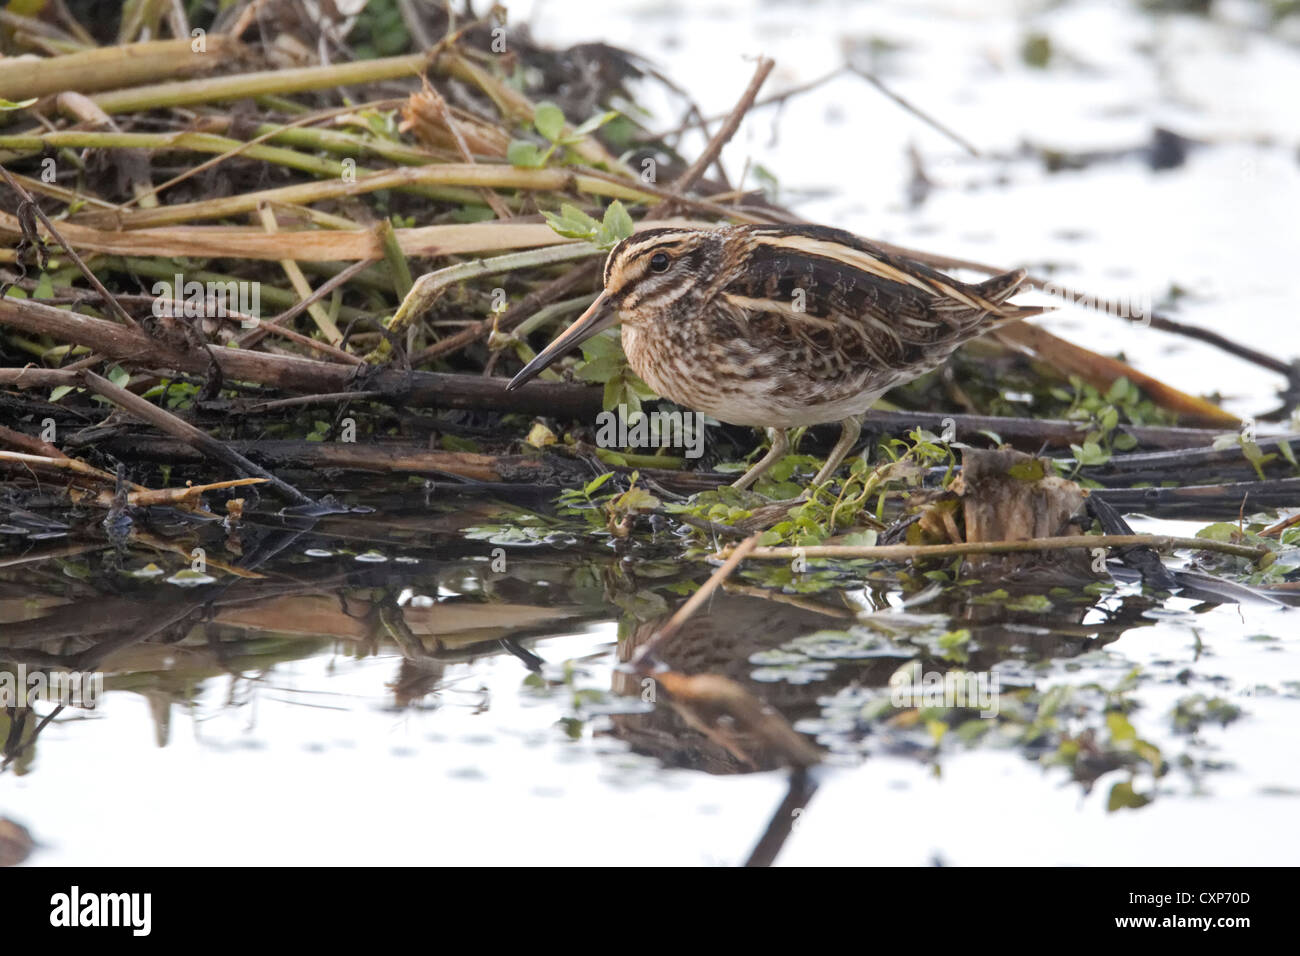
(250, 736)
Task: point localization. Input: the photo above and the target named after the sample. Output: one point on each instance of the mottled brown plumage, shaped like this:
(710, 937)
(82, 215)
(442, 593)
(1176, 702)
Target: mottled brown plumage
(781, 326)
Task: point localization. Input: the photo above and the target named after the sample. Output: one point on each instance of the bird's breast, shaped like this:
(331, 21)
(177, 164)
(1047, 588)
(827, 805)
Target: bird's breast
(739, 381)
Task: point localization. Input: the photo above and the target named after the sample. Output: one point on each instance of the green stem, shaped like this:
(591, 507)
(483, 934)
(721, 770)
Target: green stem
(430, 286)
(166, 269)
(270, 82)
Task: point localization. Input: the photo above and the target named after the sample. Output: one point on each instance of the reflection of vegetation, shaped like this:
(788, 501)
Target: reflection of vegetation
(1193, 711)
(1084, 728)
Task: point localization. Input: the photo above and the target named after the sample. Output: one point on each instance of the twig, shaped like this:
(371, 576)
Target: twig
(264, 328)
(1275, 530)
(62, 463)
(303, 400)
(643, 662)
(1204, 502)
(300, 284)
(111, 303)
(776, 98)
(913, 109)
(28, 444)
(512, 316)
(803, 785)
(1035, 432)
(269, 134)
(289, 372)
(444, 113)
(903, 552)
(430, 286)
(727, 130)
(169, 423)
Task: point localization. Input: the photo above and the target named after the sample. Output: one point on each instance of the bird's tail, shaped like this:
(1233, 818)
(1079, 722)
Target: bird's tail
(997, 290)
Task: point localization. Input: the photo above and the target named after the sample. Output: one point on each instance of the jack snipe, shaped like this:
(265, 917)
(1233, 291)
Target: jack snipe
(781, 326)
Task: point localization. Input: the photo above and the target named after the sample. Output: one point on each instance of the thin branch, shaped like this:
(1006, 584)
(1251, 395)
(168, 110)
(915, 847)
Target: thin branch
(644, 659)
(113, 305)
(913, 109)
(169, 423)
(727, 130)
(904, 552)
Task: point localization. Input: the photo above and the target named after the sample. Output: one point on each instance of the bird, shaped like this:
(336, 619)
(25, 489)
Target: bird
(781, 326)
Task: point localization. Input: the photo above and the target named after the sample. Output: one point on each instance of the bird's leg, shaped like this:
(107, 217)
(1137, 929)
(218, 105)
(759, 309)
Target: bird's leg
(780, 445)
(850, 429)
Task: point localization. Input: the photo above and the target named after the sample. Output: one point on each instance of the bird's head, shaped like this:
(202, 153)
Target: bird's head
(645, 275)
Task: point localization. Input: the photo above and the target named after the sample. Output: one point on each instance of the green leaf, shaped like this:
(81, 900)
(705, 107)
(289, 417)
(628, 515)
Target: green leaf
(1090, 453)
(1284, 447)
(859, 539)
(456, 443)
(953, 639)
(1120, 391)
(637, 498)
(617, 222)
(549, 120)
(595, 123)
(600, 370)
(44, 287)
(1031, 470)
(524, 154)
(614, 394)
(1219, 531)
(10, 105)
(594, 485)
(573, 223)
(1037, 603)
(602, 346)
(119, 376)
(1119, 726)
(59, 391)
(1123, 797)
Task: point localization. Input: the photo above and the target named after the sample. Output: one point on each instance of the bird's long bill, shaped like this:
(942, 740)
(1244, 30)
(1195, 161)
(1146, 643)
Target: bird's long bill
(599, 316)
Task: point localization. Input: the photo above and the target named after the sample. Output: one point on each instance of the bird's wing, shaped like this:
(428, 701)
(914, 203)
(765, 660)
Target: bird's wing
(814, 296)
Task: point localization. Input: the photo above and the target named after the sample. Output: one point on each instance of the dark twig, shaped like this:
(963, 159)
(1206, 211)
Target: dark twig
(728, 129)
(325, 288)
(169, 423)
(914, 110)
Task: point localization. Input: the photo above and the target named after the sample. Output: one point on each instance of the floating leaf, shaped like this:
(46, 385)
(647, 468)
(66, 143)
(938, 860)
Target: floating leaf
(1124, 797)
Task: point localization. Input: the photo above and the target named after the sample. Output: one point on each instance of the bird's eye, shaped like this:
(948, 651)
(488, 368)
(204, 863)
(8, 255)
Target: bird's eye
(659, 262)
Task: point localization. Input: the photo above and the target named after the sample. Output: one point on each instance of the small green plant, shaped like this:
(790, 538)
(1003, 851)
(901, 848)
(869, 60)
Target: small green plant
(573, 223)
(549, 122)
(1123, 402)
